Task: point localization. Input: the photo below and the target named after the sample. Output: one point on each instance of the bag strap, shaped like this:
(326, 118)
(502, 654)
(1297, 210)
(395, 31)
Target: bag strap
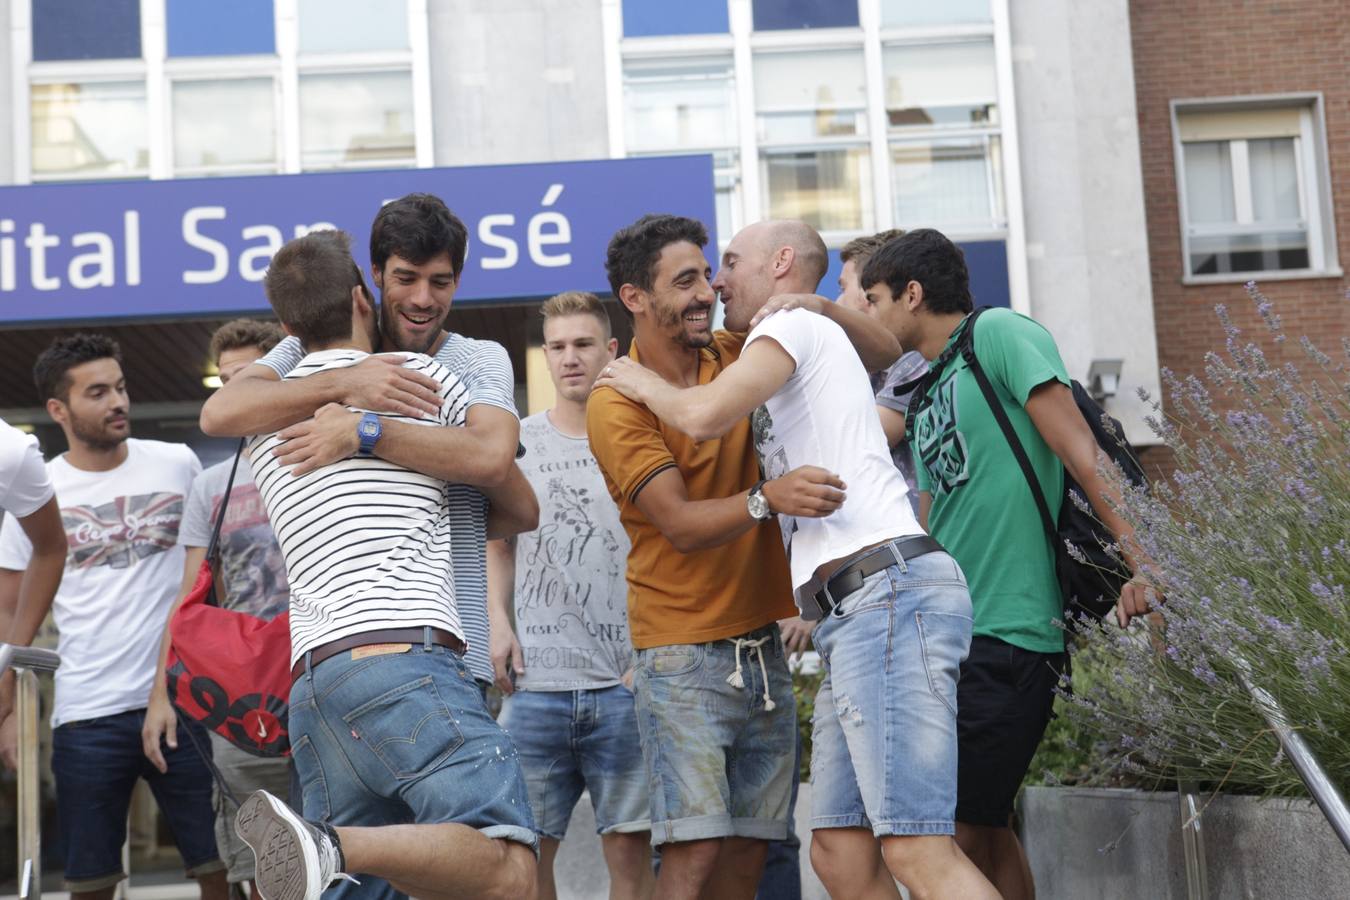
(185, 726)
(967, 351)
(212, 546)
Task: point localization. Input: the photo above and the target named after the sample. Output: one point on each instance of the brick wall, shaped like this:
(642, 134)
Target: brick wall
(1219, 48)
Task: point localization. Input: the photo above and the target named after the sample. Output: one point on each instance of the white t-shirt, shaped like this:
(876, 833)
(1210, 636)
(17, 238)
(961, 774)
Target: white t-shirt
(24, 485)
(122, 574)
(825, 416)
(366, 542)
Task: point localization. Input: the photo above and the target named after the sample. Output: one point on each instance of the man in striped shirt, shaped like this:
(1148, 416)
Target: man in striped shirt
(386, 722)
(417, 252)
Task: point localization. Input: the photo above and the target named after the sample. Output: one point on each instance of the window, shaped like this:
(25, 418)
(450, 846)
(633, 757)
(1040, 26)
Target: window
(953, 184)
(948, 85)
(647, 18)
(811, 121)
(687, 104)
(344, 26)
(78, 29)
(783, 15)
(942, 122)
(236, 28)
(354, 120)
(224, 126)
(911, 14)
(91, 130)
(680, 104)
(216, 89)
(1253, 184)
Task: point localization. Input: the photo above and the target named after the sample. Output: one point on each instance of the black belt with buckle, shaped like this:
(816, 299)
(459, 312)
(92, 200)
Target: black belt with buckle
(849, 577)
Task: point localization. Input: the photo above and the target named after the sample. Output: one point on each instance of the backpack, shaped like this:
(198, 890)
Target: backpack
(1090, 576)
(230, 670)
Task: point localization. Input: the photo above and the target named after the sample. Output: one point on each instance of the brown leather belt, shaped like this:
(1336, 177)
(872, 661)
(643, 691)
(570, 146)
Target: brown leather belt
(414, 636)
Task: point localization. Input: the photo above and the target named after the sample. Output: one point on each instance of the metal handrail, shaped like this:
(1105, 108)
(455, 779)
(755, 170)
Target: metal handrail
(1324, 792)
(34, 658)
(27, 662)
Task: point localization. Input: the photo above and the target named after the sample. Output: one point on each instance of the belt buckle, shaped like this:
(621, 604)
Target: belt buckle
(825, 611)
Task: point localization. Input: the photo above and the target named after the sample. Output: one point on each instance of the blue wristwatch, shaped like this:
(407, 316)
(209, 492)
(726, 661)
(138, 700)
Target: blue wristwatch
(368, 432)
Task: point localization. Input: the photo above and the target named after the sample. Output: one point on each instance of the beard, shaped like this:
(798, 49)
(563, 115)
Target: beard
(387, 333)
(671, 321)
(96, 436)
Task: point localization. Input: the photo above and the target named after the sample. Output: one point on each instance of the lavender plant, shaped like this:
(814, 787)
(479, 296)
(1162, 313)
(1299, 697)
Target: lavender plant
(1250, 546)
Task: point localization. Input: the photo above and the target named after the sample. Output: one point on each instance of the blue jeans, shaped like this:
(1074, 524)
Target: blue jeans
(719, 761)
(97, 763)
(403, 738)
(884, 733)
(570, 741)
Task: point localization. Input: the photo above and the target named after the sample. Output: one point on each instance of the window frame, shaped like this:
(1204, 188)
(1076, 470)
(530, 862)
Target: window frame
(1314, 173)
(158, 72)
(750, 196)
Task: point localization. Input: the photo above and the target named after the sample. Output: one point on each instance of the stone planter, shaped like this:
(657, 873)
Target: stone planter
(1108, 844)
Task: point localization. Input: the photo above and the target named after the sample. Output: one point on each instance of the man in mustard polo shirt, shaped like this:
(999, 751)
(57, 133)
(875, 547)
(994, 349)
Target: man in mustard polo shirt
(707, 579)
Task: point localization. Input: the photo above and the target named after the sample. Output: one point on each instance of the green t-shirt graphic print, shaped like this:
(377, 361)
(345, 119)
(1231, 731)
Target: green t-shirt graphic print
(982, 509)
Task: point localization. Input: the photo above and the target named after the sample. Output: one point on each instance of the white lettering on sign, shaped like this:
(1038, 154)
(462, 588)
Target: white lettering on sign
(216, 251)
(96, 267)
(220, 256)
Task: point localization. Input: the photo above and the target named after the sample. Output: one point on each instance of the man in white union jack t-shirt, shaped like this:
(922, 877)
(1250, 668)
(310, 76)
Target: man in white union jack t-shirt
(387, 724)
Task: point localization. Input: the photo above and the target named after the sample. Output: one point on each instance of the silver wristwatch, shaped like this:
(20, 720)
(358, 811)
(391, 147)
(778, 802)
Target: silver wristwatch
(758, 504)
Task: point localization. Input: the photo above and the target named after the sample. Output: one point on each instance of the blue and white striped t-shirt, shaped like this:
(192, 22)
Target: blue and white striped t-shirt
(485, 370)
(366, 542)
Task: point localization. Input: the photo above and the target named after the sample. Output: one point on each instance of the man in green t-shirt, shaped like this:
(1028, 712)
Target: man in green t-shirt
(975, 500)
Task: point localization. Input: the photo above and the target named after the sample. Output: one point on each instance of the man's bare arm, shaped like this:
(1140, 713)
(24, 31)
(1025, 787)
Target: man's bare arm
(512, 507)
(504, 648)
(1053, 411)
(36, 588)
(877, 347)
(161, 722)
(692, 525)
(258, 401)
(893, 424)
(706, 411)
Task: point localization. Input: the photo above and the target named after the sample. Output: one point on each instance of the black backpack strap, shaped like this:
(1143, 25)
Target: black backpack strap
(212, 548)
(967, 343)
(213, 545)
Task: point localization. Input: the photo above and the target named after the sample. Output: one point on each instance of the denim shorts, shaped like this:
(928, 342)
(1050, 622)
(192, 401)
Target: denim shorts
(570, 741)
(884, 733)
(403, 738)
(719, 758)
(96, 763)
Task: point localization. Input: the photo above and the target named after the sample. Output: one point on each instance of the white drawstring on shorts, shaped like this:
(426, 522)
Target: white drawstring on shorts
(737, 680)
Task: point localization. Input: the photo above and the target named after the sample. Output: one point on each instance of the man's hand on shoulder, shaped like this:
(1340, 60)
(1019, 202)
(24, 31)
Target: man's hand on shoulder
(382, 383)
(328, 437)
(781, 302)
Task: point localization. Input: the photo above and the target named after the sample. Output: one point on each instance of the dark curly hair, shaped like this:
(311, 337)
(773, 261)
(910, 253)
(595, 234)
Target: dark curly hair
(242, 333)
(930, 258)
(633, 251)
(51, 371)
(417, 227)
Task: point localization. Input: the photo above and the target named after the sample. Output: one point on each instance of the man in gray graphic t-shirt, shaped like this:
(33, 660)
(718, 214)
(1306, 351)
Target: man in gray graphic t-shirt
(565, 661)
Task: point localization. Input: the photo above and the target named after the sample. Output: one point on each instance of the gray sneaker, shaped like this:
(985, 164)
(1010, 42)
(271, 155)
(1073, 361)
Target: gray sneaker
(296, 859)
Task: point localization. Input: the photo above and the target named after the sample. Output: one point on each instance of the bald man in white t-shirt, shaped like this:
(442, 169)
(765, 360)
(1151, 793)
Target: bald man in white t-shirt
(893, 608)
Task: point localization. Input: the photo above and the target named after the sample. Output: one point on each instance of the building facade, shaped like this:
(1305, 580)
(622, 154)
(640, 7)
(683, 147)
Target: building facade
(1246, 166)
(1042, 136)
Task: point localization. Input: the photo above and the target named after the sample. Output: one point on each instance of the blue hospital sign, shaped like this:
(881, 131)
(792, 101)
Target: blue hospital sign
(200, 246)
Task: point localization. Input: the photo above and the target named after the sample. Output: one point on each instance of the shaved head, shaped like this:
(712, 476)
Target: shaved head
(810, 258)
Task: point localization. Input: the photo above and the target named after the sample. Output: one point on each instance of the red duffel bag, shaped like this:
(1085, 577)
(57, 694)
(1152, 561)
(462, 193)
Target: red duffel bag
(229, 670)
